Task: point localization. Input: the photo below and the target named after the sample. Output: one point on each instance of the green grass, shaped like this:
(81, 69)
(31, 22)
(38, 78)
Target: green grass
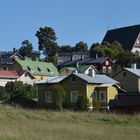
(23, 124)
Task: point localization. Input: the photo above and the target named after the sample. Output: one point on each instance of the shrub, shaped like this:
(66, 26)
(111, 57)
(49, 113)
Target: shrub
(3, 94)
(58, 95)
(15, 88)
(30, 91)
(82, 103)
(18, 88)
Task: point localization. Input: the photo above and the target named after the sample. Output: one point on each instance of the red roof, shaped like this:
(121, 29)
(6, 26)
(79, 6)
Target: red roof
(9, 74)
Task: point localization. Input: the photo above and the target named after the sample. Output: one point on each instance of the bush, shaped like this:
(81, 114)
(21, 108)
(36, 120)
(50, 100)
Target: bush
(3, 94)
(30, 91)
(82, 103)
(15, 88)
(58, 95)
(18, 88)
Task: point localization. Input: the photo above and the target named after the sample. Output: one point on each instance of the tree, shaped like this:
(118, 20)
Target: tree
(3, 94)
(58, 95)
(26, 49)
(18, 88)
(47, 42)
(14, 88)
(30, 91)
(66, 49)
(81, 47)
(96, 49)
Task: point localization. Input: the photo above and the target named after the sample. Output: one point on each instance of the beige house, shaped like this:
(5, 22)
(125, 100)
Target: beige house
(129, 79)
(8, 76)
(85, 69)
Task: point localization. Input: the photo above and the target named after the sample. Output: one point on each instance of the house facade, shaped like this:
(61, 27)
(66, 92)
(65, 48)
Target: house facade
(65, 57)
(99, 89)
(129, 79)
(11, 76)
(86, 69)
(102, 64)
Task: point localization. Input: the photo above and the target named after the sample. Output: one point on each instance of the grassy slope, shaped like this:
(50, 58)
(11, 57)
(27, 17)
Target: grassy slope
(20, 124)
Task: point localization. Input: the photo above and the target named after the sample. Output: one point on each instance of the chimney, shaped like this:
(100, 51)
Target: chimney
(134, 66)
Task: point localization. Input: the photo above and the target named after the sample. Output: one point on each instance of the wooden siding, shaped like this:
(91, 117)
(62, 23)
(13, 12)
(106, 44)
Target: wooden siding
(130, 82)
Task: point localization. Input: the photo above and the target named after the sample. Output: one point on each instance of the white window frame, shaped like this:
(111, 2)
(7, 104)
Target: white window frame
(104, 69)
(48, 97)
(71, 96)
(109, 69)
(95, 97)
(106, 62)
(103, 100)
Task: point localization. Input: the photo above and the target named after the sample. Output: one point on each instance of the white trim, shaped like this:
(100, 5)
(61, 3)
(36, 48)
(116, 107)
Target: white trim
(48, 100)
(71, 96)
(100, 96)
(87, 90)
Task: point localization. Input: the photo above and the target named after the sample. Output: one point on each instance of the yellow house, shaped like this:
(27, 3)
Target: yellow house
(98, 89)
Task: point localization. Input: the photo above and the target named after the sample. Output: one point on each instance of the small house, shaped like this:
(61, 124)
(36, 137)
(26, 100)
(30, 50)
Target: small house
(129, 79)
(94, 88)
(8, 76)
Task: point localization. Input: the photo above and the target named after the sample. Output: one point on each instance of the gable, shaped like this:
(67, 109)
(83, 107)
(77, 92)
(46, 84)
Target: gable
(125, 75)
(125, 36)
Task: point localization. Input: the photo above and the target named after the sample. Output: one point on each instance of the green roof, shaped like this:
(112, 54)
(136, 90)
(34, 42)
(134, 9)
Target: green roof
(38, 68)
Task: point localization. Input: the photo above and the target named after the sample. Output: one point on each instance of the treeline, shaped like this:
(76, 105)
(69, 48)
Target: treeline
(47, 43)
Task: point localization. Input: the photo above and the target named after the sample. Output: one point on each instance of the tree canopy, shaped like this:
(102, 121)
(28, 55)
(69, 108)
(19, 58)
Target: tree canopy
(26, 48)
(47, 42)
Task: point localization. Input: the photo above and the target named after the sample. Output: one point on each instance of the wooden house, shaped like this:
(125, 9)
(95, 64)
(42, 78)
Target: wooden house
(97, 88)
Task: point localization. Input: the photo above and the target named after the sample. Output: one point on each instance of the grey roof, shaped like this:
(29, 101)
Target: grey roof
(50, 80)
(97, 79)
(97, 60)
(134, 71)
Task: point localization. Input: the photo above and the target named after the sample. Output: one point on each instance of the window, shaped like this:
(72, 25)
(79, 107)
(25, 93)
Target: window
(103, 97)
(74, 96)
(104, 69)
(107, 63)
(73, 79)
(39, 69)
(109, 69)
(28, 68)
(48, 97)
(48, 70)
(95, 95)
(124, 74)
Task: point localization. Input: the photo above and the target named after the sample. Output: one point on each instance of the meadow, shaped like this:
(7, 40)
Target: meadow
(23, 124)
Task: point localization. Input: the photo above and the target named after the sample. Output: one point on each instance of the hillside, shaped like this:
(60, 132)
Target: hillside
(21, 124)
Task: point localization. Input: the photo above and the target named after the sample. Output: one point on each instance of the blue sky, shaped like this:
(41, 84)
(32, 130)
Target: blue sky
(72, 20)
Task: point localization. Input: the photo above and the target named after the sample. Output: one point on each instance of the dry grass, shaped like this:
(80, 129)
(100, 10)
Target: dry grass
(21, 124)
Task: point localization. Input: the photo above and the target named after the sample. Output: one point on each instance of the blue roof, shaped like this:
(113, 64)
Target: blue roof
(97, 60)
(98, 78)
(50, 80)
(134, 71)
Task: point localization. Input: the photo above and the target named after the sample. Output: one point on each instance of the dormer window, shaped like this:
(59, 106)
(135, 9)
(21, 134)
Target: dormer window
(39, 69)
(48, 70)
(28, 68)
